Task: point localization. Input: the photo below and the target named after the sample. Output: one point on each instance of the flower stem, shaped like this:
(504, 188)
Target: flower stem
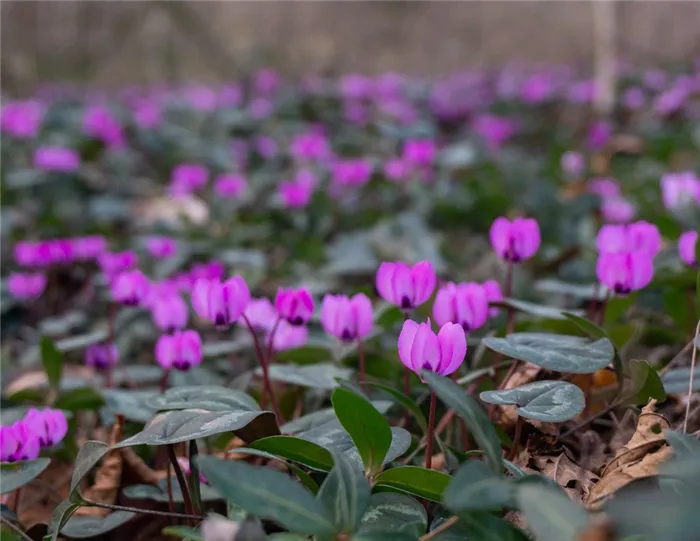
(508, 291)
(180, 479)
(431, 431)
(516, 438)
(169, 485)
(164, 381)
(90, 503)
(109, 376)
(361, 362)
(263, 365)
(603, 306)
(406, 384)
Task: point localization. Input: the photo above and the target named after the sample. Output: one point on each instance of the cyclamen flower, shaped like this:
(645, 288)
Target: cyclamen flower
(625, 272)
(686, 247)
(113, 263)
(604, 187)
(101, 356)
(493, 294)
(62, 160)
(420, 152)
(90, 247)
(294, 305)
(617, 210)
(288, 336)
(184, 463)
(310, 146)
(396, 169)
(161, 247)
(169, 312)
(406, 286)
(295, 194)
(421, 349)
(229, 185)
(26, 286)
(187, 178)
(680, 189)
(18, 442)
(100, 123)
(573, 163)
(347, 318)
(351, 172)
(21, 119)
(261, 314)
(182, 350)
(599, 133)
(214, 270)
(515, 241)
(267, 147)
(494, 130)
(130, 288)
(465, 304)
(222, 303)
(49, 425)
(639, 236)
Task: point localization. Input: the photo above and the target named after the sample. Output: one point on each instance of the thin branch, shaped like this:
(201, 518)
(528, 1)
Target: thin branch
(690, 382)
(144, 511)
(15, 529)
(444, 526)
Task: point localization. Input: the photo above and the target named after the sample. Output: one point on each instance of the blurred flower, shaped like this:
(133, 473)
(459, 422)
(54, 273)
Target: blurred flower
(494, 130)
(130, 288)
(184, 463)
(356, 172)
(260, 108)
(49, 425)
(266, 146)
(26, 286)
(27, 254)
(671, 101)
(310, 146)
(396, 169)
(617, 210)
(356, 87)
(419, 152)
(573, 163)
(347, 318)
(214, 270)
(356, 112)
(229, 185)
(294, 305)
(222, 303)
(295, 194)
(493, 294)
(21, 119)
(261, 314)
(201, 98)
(515, 240)
(464, 304)
(599, 133)
(113, 263)
(101, 356)
(187, 178)
(686, 247)
(288, 336)
(633, 98)
(538, 88)
(421, 349)
(90, 247)
(147, 114)
(654, 79)
(266, 81)
(18, 442)
(169, 312)
(181, 350)
(161, 247)
(231, 95)
(604, 187)
(680, 189)
(406, 286)
(217, 528)
(625, 272)
(63, 160)
(99, 123)
(635, 237)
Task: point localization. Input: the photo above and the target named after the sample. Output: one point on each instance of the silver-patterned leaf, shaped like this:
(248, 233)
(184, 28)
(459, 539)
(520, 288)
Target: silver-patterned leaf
(548, 401)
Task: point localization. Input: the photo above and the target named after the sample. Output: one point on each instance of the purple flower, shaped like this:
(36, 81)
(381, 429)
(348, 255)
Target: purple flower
(421, 349)
(406, 286)
(288, 336)
(633, 98)
(494, 130)
(21, 119)
(18, 441)
(356, 87)
(573, 163)
(101, 356)
(182, 350)
(294, 305)
(49, 425)
(169, 312)
(99, 123)
(310, 146)
(680, 189)
(184, 463)
(493, 294)
(347, 318)
(464, 304)
(63, 160)
(113, 263)
(617, 210)
(266, 146)
(625, 272)
(538, 88)
(351, 172)
(355, 112)
(27, 254)
(26, 286)
(636, 237)
(161, 247)
(214, 270)
(295, 194)
(686, 247)
(260, 108)
(266, 81)
(420, 152)
(396, 169)
(187, 178)
(671, 101)
(599, 133)
(261, 314)
(515, 241)
(147, 114)
(229, 185)
(130, 288)
(222, 303)
(604, 187)
(90, 247)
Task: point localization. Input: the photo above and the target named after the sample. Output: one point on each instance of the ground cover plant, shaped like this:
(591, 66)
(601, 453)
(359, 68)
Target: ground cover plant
(353, 309)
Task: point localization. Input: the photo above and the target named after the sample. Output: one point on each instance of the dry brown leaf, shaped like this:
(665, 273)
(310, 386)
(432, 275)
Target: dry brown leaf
(37, 378)
(40, 497)
(600, 529)
(437, 463)
(639, 458)
(561, 468)
(108, 478)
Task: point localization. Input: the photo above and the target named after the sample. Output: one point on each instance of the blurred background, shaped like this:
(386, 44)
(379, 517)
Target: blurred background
(109, 43)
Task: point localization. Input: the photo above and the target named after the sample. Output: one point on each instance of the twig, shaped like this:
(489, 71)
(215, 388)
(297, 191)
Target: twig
(444, 526)
(690, 382)
(144, 511)
(516, 438)
(15, 529)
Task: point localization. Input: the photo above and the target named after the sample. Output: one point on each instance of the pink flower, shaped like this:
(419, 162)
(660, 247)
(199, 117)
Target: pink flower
(515, 241)
(113, 263)
(464, 304)
(99, 123)
(169, 312)
(599, 133)
(617, 210)
(625, 272)
(261, 314)
(633, 98)
(356, 112)
(21, 119)
(220, 303)
(187, 178)
(636, 237)
(357, 87)
(288, 336)
(63, 160)
(214, 270)
(406, 286)
(573, 163)
(420, 152)
(26, 286)
(161, 247)
(295, 194)
(147, 114)
(184, 463)
(130, 288)
(294, 305)
(604, 187)
(266, 81)
(266, 146)
(229, 185)
(494, 130)
(686, 247)
(260, 108)
(19, 441)
(310, 146)
(347, 318)
(493, 294)
(27, 254)
(679, 189)
(182, 350)
(351, 172)
(101, 356)
(90, 247)
(49, 425)
(396, 169)
(421, 349)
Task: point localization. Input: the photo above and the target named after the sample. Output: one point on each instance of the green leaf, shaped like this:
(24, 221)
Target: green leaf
(346, 493)
(392, 512)
(538, 310)
(476, 487)
(548, 401)
(183, 532)
(205, 397)
(301, 474)
(52, 359)
(642, 382)
(287, 536)
(558, 352)
(684, 445)
(80, 399)
(550, 513)
(308, 354)
(368, 428)
(302, 451)
(382, 536)
(677, 381)
(325, 416)
(404, 401)
(60, 516)
(90, 454)
(268, 494)
(478, 423)
(316, 376)
(87, 527)
(130, 403)
(486, 527)
(160, 493)
(421, 482)
(18, 474)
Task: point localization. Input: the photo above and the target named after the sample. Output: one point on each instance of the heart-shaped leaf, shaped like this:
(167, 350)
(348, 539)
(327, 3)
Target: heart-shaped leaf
(550, 513)
(392, 512)
(421, 482)
(684, 445)
(18, 474)
(205, 397)
(130, 403)
(548, 401)
(52, 359)
(87, 527)
(555, 352)
(325, 416)
(304, 477)
(481, 428)
(317, 376)
(299, 450)
(677, 381)
(476, 487)
(367, 427)
(59, 517)
(641, 383)
(268, 494)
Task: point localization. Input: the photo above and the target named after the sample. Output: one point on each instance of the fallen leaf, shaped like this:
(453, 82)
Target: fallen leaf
(40, 497)
(561, 468)
(600, 529)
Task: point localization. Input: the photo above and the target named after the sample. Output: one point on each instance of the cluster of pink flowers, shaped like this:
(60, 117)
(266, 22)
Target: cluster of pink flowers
(680, 189)
(39, 429)
(59, 251)
(614, 207)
